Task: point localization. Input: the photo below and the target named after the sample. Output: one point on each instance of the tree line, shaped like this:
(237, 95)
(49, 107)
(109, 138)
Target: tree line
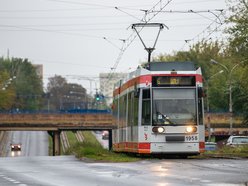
(20, 86)
(21, 90)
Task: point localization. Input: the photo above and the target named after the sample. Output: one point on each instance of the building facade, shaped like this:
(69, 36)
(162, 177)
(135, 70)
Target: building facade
(107, 81)
(39, 70)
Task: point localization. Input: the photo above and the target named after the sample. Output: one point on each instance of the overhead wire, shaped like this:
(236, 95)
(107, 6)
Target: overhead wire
(91, 4)
(195, 1)
(51, 31)
(111, 43)
(63, 17)
(187, 41)
(66, 63)
(93, 24)
(198, 12)
(127, 42)
(145, 19)
(132, 36)
(81, 3)
(127, 13)
(46, 10)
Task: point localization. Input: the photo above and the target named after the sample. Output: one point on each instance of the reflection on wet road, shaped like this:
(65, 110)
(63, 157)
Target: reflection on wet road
(69, 171)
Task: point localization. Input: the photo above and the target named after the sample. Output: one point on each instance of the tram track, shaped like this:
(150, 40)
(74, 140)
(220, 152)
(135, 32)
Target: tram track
(64, 141)
(79, 136)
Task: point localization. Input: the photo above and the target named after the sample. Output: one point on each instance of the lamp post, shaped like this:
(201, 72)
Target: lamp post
(208, 116)
(229, 72)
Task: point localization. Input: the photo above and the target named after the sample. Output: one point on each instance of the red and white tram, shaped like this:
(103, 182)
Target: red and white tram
(159, 110)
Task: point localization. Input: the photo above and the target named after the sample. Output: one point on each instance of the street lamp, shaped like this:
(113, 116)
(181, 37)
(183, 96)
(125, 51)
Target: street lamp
(208, 116)
(229, 72)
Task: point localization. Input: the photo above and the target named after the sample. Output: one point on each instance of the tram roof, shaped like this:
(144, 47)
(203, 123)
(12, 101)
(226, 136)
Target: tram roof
(185, 67)
(172, 66)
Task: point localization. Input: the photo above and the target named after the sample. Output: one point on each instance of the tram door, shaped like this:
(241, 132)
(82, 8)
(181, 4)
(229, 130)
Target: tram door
(146, 107)
(133, 115)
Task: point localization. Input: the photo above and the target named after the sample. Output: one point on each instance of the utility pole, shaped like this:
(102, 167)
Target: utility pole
(208, 107)
(229, 73)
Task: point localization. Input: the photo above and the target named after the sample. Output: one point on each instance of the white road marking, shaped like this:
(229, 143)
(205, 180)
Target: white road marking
(12, 180)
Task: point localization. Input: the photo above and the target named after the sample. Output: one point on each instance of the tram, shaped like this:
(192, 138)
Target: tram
(159, 110)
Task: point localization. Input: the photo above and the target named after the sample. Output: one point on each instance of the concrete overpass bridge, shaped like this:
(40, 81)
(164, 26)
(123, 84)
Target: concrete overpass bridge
(55, 123)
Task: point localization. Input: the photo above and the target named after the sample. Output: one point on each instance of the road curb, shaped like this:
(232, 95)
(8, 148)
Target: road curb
(225, 157)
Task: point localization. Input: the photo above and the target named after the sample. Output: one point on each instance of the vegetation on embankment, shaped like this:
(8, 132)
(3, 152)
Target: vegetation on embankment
(90, 149)
(228, 152)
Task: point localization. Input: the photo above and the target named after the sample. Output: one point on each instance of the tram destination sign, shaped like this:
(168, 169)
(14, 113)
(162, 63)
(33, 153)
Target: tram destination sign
(167, 81)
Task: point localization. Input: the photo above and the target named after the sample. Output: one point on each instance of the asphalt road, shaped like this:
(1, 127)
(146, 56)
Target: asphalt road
(103, 142)
(33, 143)
(32, 167)
(69, 171)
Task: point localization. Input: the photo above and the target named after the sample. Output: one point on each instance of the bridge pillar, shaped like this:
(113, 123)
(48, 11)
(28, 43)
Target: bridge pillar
(56, 142)
(110, 140)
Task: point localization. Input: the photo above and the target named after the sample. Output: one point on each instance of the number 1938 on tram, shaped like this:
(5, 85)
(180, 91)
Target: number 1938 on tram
(159, 110)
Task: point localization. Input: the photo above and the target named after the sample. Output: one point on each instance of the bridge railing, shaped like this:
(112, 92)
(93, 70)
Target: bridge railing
(60, 119)
(71, 111)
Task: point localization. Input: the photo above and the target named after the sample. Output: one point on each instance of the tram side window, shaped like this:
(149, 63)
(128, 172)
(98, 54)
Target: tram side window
(115, 109)
(123, 103)
(133, 102)
(146, 107)
(200, 111)
(136, 110)
(130, 109)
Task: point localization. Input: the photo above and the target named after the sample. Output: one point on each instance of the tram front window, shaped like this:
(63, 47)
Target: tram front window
(174, 106)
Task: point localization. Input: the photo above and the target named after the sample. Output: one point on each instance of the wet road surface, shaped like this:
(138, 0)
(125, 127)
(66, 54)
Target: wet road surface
(33, 143)
(69, 171)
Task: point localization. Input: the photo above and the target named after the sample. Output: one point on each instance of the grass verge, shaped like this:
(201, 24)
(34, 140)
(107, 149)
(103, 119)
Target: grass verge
(71, 137)
(228, 152)
(90, 149)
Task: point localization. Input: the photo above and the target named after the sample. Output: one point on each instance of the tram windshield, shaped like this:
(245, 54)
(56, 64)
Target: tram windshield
(175, 106)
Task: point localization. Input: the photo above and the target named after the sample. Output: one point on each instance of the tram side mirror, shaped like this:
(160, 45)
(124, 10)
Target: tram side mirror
(200, 92)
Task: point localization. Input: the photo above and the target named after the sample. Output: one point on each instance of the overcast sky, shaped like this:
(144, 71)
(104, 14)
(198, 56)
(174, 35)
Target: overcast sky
(78, 39)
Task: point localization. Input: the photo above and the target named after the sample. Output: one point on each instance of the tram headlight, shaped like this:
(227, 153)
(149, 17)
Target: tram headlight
(191, 129)
(158, 129)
